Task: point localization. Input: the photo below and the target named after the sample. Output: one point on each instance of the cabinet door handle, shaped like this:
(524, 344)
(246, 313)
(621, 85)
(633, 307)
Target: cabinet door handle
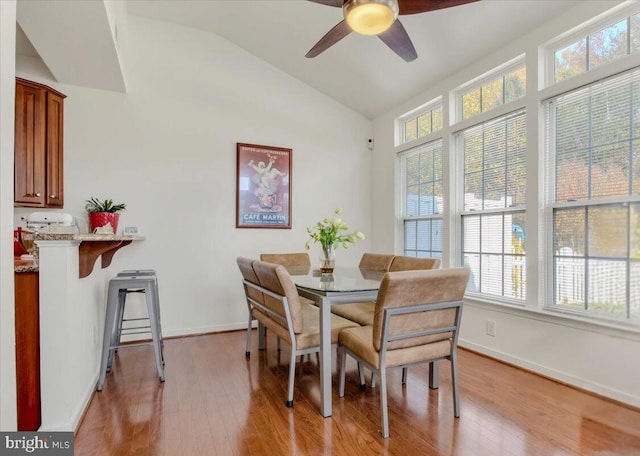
(52, 196)
(38, 195)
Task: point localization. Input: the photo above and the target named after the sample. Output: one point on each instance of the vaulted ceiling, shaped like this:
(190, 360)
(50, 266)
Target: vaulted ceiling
(359, 71)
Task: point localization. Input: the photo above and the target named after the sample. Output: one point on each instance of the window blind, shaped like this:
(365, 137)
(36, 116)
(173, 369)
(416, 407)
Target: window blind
(592, 141)
(494, 181)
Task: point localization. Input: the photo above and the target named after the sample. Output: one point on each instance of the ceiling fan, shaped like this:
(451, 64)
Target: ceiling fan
(378, 17)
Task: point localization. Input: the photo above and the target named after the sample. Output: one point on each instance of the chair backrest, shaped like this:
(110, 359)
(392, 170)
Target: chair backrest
(248, 274)
(293, 262)
(276, 279)
(405, 263)
(426, 291)
(375, 261)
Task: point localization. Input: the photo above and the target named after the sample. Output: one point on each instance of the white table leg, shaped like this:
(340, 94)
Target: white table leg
(325, 357)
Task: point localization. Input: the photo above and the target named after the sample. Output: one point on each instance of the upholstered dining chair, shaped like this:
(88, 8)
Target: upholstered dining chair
(375, 261)
(406, 263)
(281, 310)
(252, 294)
(293, 262)
(362, 312)
(417, 317)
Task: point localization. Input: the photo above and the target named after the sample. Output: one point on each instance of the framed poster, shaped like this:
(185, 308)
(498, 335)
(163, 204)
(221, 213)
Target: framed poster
(263, 186)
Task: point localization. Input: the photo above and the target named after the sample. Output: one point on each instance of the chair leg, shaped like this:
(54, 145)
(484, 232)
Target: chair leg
(434, 374)
(342, 363)
(156, 294)
(247, 353)
(373, 379)
(292, 375)
(361, 376)
(117, 331)
(155, 332)
(404, 375)
(454, 381)
(109, 328)
(262, 335)
(383, 403)
(278, 344)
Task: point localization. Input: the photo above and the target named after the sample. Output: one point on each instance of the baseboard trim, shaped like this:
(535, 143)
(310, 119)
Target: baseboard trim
(203, 330)
(77, 416)
(596, 389)
(85, 407)
(81, 410)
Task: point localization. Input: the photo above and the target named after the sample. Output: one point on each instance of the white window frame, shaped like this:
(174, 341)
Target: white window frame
(495, 73)
(547, 123)
(595, 25)
(414, 115)
(402, 156)
(458, 151)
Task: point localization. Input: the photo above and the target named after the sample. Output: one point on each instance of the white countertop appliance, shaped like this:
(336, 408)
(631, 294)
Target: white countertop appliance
(50, 222)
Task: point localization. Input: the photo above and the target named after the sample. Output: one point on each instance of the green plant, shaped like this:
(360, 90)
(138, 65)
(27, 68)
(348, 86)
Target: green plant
(331, 232)
(95, 205)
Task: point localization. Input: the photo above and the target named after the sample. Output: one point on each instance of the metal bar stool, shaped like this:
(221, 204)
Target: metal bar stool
(116, 299)
(121, 320)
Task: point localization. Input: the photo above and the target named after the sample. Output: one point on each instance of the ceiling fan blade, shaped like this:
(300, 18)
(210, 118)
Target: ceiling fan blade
(422, 6)
(337, 3)
(398, 40)
(332, 37)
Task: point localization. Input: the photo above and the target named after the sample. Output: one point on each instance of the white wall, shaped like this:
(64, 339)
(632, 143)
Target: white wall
(600, 359)
(70, 339)
(7, 334)
(168, 149)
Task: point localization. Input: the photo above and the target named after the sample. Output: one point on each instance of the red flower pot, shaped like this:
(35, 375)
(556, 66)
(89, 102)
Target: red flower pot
(17, 247)
(100, 219)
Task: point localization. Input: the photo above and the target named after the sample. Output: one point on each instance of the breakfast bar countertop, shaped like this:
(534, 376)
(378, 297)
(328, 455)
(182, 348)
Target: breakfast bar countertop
(88, 237)
(20, 265)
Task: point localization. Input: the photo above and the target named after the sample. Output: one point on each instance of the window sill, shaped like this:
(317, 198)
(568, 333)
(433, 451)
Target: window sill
(607, 328)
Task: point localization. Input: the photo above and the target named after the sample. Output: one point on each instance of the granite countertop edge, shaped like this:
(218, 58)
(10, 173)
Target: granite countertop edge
(29, 266)
(87, 237)
(24, 265)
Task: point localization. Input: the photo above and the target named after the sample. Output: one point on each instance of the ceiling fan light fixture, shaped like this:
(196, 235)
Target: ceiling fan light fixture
(370, 17)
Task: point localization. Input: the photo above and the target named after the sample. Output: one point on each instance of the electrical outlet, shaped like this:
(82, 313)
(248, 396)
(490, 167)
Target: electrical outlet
(491, 328)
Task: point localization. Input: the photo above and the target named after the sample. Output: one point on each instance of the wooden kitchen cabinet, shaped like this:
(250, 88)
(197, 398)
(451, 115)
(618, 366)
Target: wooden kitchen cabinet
(27, 324)
(39, 170)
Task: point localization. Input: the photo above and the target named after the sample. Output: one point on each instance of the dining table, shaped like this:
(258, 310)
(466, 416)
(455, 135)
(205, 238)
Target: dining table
(344, 285)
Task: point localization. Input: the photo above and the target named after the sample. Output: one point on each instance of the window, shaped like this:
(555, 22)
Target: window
(581, 230)
(421, 123)
(620, 37)
(496, 91)
(423, 200)
(493, 157)
(593, 151)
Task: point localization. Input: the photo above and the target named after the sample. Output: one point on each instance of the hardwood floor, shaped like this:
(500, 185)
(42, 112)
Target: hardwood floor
(215, 402)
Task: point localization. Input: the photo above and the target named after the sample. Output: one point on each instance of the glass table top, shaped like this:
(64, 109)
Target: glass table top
(342, 280)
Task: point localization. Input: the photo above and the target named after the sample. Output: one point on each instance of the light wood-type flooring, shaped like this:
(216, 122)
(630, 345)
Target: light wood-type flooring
(216, 402)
